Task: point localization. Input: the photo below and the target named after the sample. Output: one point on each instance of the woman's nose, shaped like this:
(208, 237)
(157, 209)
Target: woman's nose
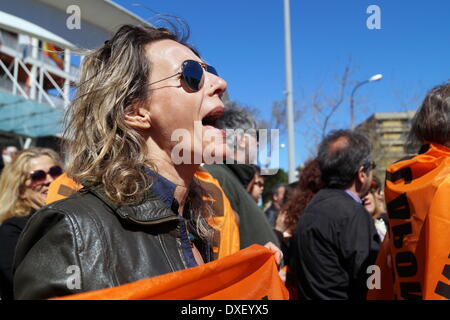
(218, 85)
(48, 179)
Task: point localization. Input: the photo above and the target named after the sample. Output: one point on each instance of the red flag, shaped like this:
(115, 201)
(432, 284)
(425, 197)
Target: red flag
(51, 51)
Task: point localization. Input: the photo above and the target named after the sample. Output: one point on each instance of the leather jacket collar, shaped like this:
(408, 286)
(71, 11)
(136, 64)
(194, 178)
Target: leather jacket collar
(151, 211)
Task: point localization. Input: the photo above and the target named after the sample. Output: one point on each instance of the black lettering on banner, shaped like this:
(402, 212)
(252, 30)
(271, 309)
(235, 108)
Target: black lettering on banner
(408, 290)
(406, 264)
(405, 174)
(424, 148)
(398, 208)
(443, 289)
(399, 232)
(393, 275)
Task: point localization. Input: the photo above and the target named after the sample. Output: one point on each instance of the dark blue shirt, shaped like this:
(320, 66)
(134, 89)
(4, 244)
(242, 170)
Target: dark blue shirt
(165, 190)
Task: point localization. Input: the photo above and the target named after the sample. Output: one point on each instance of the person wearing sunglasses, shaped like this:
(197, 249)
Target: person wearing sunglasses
(374, 204)
(143, 95)
(23, 190)
(256, 186)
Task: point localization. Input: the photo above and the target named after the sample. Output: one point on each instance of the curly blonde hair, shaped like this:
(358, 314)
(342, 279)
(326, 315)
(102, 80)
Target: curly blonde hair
(13, 179)
(101, 147)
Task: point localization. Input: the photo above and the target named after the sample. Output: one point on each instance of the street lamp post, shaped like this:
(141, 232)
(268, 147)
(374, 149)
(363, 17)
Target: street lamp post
(289, 96)
(373, 78)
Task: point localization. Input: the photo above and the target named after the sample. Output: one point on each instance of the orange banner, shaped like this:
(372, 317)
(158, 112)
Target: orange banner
(226, 240)
(415, 259)
(250, 274)
(61, 188)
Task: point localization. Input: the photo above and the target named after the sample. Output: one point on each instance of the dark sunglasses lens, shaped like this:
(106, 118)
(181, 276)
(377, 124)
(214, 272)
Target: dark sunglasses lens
(212, 70)
(192, 74)
(38, 175)
(55, 171)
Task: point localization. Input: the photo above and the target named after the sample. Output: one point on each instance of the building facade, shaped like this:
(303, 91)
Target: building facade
(42, 43)
(388, 132)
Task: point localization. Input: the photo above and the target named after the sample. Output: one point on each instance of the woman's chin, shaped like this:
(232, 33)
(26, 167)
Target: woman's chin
(370, 209)
(43, 199)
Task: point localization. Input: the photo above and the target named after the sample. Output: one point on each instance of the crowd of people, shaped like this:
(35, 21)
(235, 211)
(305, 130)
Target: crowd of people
(129, 212)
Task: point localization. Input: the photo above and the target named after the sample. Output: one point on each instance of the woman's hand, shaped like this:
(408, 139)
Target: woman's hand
(277, 252)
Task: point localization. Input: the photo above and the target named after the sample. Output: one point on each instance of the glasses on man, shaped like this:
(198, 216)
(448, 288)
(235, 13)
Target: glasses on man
(192, 73)
(39, 176)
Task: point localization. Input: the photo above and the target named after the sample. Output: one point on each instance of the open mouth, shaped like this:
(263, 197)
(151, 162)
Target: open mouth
(212, 118)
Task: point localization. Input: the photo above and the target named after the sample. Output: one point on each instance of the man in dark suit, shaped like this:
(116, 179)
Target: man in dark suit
(336, 239)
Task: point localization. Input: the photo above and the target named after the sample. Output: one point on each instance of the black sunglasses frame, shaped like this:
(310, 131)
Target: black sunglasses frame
(40, 175)
(190, 74)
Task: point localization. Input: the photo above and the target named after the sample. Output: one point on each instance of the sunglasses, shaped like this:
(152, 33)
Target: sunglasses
(259, 184)
(39, 176)
(192, 74)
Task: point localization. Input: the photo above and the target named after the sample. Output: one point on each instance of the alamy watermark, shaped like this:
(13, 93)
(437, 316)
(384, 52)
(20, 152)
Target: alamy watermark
(373, 22)
(74, 19)
(374, 280)
(226, 146)
(73, 281)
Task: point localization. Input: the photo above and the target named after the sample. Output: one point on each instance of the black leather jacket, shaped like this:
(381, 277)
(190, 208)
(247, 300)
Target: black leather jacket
(105, 244)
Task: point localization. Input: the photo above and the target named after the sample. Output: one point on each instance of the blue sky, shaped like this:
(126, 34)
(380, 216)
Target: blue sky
(244, 40)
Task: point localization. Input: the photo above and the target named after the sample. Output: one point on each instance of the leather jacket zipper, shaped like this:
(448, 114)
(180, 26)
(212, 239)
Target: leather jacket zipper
(164, 250)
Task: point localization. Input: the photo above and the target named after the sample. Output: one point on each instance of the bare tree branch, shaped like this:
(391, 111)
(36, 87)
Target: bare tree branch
(335, 105)
(319, 108)
(278, 116)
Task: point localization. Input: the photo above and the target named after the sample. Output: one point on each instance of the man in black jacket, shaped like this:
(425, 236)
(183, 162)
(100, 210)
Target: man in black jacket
(336, 239)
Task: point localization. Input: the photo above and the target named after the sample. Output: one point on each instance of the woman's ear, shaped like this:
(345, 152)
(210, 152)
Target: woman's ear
(138, 118)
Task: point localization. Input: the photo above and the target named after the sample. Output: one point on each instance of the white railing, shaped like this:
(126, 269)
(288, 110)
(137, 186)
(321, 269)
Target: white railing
(35, 83)
(15, 84)
(12, 42)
